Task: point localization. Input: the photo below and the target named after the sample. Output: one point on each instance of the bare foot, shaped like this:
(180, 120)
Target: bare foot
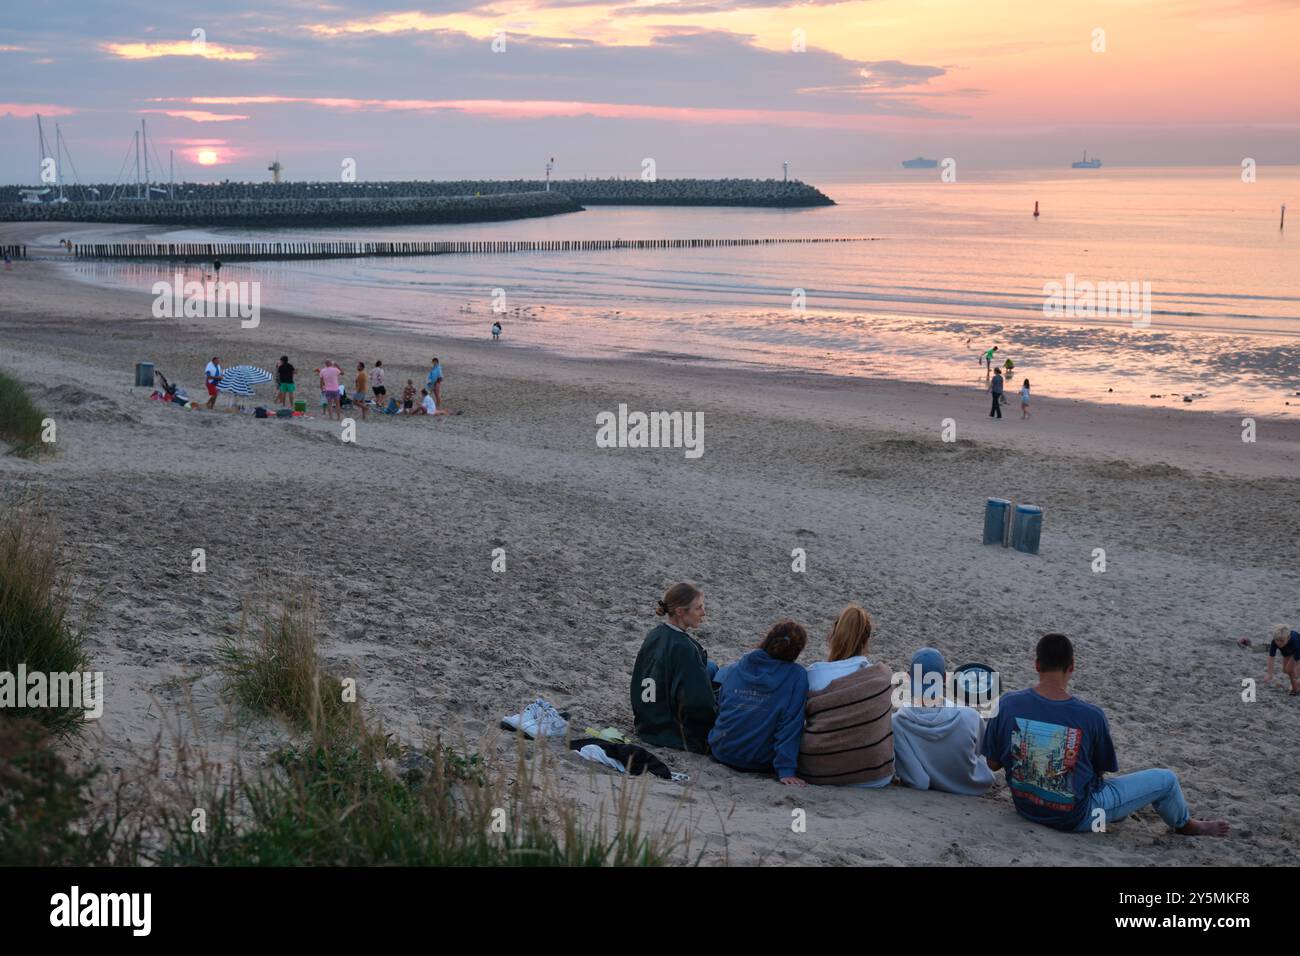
(1215, 828)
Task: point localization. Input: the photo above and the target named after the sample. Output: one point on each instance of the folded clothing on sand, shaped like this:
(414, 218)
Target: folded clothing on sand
(627, 757)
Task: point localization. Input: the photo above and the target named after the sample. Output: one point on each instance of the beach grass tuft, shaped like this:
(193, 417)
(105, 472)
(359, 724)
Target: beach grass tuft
(338, 803)
(34, 594)
(21, 422)
(271, 667)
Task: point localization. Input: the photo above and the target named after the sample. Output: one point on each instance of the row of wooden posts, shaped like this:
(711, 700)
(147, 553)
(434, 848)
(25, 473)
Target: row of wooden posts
(207, 251)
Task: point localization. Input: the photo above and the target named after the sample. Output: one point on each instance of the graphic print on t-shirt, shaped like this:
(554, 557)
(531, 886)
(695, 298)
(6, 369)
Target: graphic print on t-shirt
(1043, 759)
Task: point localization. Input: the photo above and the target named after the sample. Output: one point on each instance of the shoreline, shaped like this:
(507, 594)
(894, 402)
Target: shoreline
(1193, 439)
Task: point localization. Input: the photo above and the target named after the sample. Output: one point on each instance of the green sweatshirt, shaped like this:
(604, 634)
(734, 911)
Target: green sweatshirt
(682, 707)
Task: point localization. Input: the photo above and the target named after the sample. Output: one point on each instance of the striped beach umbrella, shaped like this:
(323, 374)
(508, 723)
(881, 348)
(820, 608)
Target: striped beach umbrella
(241, 379)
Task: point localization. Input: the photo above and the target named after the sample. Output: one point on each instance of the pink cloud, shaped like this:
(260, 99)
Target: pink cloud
(199, 116)
(28, 110)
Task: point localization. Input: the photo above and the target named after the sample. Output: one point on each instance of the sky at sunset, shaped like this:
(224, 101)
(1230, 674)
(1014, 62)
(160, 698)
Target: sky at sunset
(460, 88)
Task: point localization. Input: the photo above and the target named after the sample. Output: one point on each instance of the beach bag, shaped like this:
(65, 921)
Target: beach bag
(259, 412)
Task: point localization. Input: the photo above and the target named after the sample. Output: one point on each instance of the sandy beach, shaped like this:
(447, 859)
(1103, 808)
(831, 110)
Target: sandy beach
(397, 533)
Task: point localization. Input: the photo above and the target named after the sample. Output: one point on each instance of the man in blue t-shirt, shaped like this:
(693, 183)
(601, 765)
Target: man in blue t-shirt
(1056, 750)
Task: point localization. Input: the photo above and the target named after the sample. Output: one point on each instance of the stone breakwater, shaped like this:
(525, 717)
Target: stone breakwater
(587, 192)
(346, 211)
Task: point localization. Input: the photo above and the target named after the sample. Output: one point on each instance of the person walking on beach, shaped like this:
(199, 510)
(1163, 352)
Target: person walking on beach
(673, 701)
(496, 331)
(996, 391)
(1288, 642)
(359, 396)
(212, 378)
(377, 382)
(1057, 748)
(330, 387)
(435, 381)
(988, 362)
(1024, 400)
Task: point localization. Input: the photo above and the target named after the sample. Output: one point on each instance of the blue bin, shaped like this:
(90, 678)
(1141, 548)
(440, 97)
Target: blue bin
(996, 512)
(1026, 528)
(144, 374)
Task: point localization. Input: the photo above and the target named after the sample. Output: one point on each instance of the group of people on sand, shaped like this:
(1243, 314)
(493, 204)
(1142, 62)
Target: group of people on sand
(998, 382)
(368, 387)
(834, 723)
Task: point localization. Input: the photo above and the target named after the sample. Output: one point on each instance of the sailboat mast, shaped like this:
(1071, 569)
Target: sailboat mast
(144, 139)
(136, 137)
(58, 157)
(171, 174)
(40, 147)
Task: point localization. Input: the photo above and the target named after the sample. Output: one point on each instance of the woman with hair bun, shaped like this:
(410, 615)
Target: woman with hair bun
(760, 707)
(673, 704)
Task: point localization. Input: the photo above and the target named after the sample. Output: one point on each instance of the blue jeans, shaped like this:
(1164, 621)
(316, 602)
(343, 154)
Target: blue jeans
(1120, 796)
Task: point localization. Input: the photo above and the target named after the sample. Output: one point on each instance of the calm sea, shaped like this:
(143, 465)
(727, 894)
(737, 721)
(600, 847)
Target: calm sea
(956, 267)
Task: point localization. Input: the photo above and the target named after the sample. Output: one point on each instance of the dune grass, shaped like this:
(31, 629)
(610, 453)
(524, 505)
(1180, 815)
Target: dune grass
(20, 419)
(271, 667)
(343, 794)
(34, 593)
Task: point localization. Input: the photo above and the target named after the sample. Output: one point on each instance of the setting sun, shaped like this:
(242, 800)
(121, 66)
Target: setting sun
(207, 157)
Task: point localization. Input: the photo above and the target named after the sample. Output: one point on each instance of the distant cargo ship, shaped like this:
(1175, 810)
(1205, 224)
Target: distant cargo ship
(920, 163)
(1087, 163)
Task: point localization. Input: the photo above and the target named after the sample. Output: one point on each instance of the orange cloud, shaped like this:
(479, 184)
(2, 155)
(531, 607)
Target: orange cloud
(199, 48)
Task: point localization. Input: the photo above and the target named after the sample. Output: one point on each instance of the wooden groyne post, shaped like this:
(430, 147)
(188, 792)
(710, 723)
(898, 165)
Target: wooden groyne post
(250, 251)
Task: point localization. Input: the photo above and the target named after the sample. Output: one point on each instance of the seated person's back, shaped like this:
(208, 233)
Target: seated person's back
(761, 704)
(937, 742)
(848, 737)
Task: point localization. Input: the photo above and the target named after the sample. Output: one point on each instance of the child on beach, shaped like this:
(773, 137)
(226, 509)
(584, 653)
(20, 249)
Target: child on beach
(1024, 400)
(408, 396)
(496, 331)
(1288, 642)
(760, 707)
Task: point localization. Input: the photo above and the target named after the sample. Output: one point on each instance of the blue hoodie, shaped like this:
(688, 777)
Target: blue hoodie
(760, 714)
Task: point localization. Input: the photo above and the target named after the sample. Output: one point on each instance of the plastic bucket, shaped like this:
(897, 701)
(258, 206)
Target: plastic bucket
(997, 511)
(144, 374)
(300, 405)
(1027, 528)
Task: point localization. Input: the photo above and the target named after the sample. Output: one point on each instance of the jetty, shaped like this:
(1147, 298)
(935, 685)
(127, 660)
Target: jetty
(287, 212)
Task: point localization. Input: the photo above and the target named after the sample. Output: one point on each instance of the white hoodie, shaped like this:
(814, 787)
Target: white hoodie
(938, 748)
